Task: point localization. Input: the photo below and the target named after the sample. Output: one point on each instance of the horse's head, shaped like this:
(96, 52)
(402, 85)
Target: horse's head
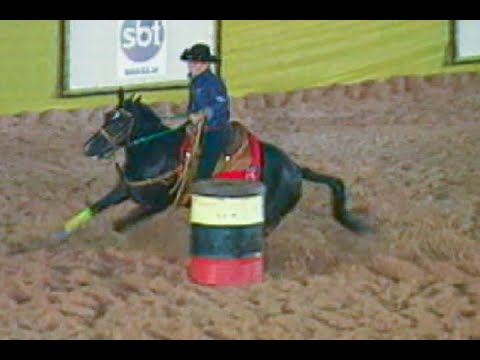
(128, 120)
(116, 128)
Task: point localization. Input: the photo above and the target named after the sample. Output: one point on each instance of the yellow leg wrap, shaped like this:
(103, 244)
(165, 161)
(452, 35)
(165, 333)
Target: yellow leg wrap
(78, 220)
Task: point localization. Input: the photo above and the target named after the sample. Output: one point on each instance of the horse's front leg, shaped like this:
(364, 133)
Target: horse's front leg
(114, 197)
(137, 215)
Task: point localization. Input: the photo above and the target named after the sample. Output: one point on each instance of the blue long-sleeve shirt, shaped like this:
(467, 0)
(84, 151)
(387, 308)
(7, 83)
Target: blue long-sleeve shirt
(208, 93)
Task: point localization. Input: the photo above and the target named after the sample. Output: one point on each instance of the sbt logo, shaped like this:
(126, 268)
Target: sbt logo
(141, 40)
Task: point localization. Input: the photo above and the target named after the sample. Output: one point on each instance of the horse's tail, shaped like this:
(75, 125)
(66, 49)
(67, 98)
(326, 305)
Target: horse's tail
(339, 199)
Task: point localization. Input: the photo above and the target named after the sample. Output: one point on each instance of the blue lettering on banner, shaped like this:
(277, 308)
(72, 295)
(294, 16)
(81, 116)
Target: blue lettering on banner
(141, 40)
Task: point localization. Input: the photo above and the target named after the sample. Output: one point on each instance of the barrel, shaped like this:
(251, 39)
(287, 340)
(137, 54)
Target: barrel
(226, 241)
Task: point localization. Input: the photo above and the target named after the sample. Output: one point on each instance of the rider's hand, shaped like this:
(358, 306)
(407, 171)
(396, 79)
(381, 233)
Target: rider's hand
(196, 118)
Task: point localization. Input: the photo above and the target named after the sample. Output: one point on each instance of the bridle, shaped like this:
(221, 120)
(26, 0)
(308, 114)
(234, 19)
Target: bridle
(114, 140)
(165, 179)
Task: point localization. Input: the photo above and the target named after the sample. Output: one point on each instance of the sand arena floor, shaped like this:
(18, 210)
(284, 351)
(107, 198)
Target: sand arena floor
(407, 149)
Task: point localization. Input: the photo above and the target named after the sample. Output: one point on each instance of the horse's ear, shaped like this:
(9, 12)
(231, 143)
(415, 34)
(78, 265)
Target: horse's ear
(121, 97)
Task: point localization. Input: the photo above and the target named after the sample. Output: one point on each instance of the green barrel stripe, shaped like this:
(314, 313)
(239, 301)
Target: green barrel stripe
(226, 242)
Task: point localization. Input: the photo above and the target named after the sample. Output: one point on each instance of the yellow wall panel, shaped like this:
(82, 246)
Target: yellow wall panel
(259, 56)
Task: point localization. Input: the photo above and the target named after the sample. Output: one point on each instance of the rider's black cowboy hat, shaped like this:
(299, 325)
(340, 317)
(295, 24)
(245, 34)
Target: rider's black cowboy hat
(199, 52)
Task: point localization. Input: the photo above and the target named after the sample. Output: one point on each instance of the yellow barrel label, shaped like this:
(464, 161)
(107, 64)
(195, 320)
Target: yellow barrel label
(207, 210)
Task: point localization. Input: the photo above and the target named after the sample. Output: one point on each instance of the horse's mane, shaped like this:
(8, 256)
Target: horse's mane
(144, 113)
(149, 121)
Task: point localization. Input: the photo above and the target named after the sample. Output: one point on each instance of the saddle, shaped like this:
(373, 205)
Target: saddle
(242, 158)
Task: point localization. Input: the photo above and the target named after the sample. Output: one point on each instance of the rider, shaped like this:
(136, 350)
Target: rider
(208, 101)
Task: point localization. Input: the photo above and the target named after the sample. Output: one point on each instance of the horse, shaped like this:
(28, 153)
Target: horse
(148, 174)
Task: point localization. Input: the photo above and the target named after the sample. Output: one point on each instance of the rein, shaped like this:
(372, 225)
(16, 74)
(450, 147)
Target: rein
(151, 137)
(164, 179)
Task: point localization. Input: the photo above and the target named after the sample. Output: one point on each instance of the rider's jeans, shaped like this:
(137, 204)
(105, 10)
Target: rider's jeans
(214, 144)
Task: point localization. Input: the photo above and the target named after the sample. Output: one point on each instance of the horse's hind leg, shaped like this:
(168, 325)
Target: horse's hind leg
(136, 216)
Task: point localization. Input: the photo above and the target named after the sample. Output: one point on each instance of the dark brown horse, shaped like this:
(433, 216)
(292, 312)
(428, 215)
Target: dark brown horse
(152, 152)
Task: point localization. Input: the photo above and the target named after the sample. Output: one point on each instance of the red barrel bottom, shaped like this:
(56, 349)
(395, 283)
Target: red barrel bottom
(226, 272)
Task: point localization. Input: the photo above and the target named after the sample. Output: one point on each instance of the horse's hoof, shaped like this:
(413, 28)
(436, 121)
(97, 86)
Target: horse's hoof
(119, 228)
(61, 235)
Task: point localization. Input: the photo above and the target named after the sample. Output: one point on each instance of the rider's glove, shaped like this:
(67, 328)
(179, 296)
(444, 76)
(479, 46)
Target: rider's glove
(196, 118)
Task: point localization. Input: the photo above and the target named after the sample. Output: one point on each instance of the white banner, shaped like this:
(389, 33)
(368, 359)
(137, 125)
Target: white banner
(102, 55)
(468, 38)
